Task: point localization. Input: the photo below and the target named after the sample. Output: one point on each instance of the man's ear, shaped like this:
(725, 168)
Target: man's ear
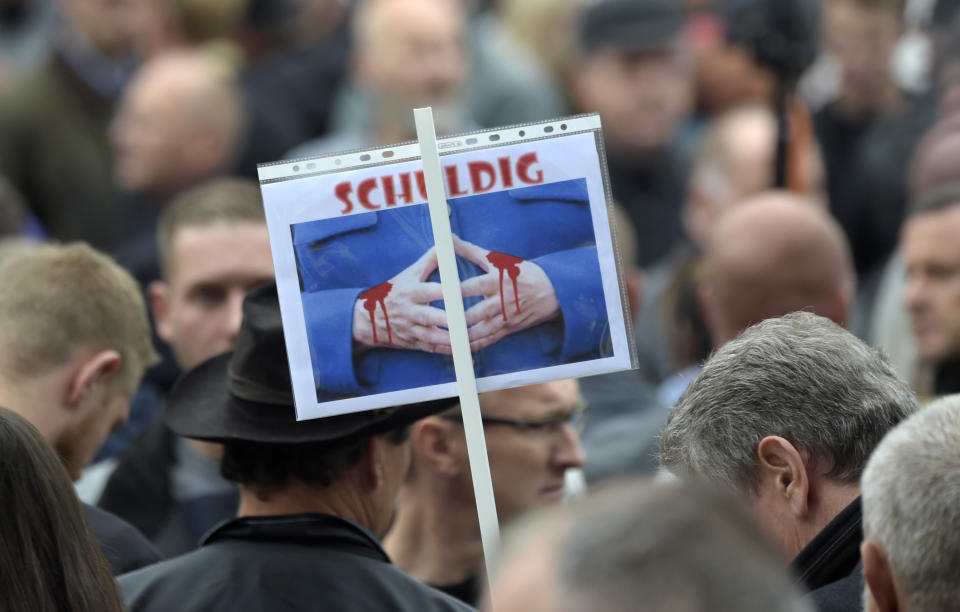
(371, 464)
(879, 577)
(97, 368)
(158, 293)
(436, 445)
(782, 463)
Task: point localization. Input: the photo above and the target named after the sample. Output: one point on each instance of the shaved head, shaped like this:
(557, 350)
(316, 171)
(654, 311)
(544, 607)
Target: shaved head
(204, 84)
(410, 53)
(179, 123)
(740, 145)
(774, 254)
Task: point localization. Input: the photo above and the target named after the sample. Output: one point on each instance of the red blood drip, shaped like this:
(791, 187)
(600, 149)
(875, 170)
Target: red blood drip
(371, 297)
(509, 264)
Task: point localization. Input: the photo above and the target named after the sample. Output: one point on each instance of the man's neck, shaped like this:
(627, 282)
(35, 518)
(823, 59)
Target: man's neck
(432, 541)
(302, 498)
(390, 126)
(832, 547)
(32, 399)
(832, 499)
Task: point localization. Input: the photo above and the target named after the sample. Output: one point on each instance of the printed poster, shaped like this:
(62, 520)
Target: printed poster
(357, 275)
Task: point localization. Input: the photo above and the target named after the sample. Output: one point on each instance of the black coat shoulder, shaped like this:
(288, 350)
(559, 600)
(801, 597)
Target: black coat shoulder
(125, 548)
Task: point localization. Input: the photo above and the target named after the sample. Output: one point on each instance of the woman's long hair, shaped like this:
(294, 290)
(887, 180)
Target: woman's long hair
(50, 560)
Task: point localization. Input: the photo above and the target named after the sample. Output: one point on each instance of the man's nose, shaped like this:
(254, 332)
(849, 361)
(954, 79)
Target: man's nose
(570, 453)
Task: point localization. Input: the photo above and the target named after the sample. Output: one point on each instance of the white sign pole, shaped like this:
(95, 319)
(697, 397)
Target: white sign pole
(457, 322)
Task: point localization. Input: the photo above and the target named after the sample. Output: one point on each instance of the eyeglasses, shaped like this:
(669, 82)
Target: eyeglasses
(548, 424)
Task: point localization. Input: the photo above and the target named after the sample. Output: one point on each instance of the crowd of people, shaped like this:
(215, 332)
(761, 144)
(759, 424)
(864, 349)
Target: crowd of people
(790, 252)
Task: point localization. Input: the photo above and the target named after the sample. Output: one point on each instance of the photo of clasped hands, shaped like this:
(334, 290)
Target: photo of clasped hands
(404, 318)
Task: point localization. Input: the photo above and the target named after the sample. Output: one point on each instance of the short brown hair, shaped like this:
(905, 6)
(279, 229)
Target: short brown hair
(220, 200)
(57, 300)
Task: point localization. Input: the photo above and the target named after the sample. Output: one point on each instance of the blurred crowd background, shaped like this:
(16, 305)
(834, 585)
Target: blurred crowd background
(764, 157)
(111, 109)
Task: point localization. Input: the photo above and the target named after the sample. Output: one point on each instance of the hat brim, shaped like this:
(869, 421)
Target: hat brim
(200, 406)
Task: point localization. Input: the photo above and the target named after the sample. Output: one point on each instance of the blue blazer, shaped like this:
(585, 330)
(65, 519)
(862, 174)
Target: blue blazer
(340, 258)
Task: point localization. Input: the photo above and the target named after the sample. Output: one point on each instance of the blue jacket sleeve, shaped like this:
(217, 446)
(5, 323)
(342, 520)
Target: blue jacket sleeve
(329, 320)
(575, 275)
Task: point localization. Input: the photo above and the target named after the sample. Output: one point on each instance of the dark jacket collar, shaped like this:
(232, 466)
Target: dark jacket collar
(310, 529)
(835, 552)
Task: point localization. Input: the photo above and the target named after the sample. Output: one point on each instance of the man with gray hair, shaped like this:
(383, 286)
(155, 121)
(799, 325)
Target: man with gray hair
(655, 546)
(786, 415)
(911, 509)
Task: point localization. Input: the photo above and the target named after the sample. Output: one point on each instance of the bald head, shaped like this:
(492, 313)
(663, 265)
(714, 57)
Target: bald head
(740, 145)
(771, 255)
(179, 123)
(410, 53)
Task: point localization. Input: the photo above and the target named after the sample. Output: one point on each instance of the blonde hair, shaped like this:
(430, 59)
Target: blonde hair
(58, 300)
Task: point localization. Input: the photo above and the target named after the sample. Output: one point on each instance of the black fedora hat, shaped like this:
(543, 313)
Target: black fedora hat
(247, 395)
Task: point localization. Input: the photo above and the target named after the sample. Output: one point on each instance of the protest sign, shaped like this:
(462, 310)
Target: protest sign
(356, 265)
